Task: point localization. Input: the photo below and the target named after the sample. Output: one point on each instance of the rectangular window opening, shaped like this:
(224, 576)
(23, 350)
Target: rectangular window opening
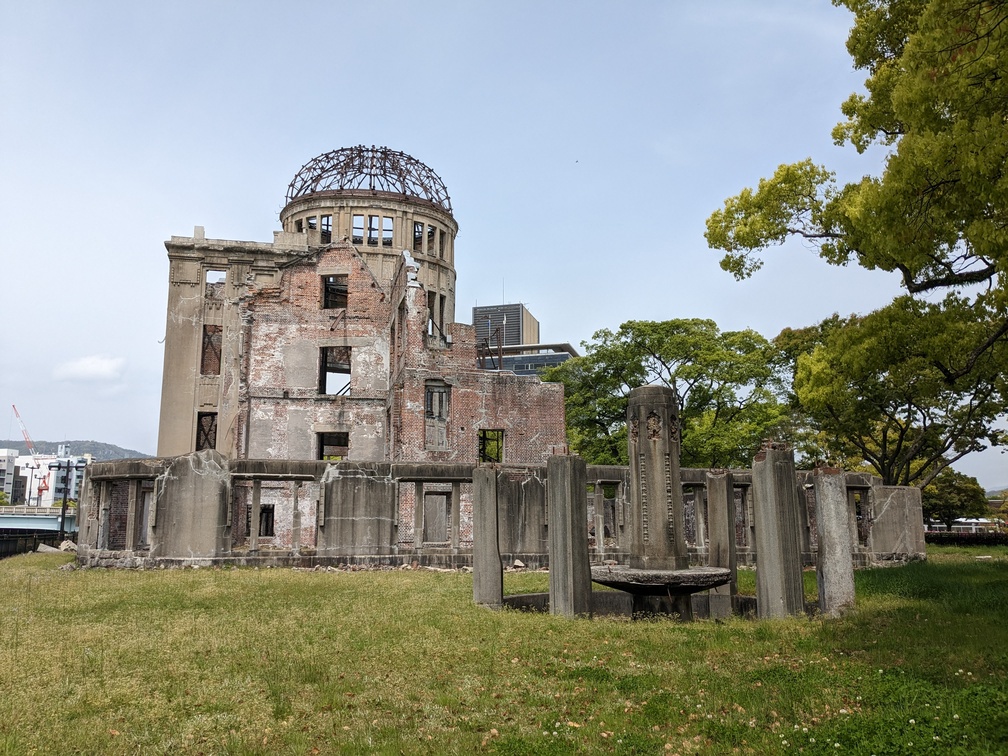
(312, 223)
(441, 243)
(333, 447)
(358, 229)
(215, 280)
(327, 229)
(437, 400)
(206, 431)
(417, 237)
(386, 238)
(266, 521)
(372, 230)
(334, 292)
(299, 226)
(491, 445)
(431, 233)
(210, 359)
(334, 373)
(431, 309)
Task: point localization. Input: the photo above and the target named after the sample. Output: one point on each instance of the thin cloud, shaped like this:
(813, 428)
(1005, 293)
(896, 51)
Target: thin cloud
(95, 368)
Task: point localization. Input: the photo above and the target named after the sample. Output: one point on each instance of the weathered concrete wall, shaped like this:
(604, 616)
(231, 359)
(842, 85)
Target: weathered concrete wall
(358, 511)
(191, 507)
(897, 529)
(521, 504)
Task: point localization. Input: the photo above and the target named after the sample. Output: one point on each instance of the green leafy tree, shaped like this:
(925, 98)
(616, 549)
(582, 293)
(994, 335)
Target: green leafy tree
(952, 495)
(936, 98)
(876, 390)
(4, 501)
(725, 384)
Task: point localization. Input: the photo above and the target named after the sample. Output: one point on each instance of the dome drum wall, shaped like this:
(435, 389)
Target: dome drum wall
(381, 225)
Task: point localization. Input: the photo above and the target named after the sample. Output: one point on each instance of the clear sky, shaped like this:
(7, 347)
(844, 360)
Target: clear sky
(583, 144)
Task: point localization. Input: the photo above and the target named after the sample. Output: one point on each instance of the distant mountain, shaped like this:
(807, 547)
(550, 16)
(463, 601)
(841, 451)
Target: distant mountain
(99, 451)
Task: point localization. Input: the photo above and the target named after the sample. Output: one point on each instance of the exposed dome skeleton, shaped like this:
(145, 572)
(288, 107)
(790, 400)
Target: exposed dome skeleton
(376, 169)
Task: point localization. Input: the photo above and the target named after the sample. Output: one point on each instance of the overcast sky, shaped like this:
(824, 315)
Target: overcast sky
(583, 144)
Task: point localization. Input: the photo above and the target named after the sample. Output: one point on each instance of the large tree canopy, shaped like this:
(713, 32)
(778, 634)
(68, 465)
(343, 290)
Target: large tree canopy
(724, 383)
(936, 98)
(877, 389)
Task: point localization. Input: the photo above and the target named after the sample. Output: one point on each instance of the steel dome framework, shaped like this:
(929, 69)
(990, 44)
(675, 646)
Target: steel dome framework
(369, 169)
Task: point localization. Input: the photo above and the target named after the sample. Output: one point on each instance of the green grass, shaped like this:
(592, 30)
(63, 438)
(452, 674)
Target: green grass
(282, 661)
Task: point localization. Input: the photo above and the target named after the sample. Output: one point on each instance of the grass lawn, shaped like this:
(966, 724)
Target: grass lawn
(283, 661)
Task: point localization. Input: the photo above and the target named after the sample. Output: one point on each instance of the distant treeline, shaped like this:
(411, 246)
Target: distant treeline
(97, 449)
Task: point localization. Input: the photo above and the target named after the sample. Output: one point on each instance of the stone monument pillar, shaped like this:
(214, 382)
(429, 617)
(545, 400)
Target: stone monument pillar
(721, 540)
(488, 571)
(834, 565)
(779, 591)
(657, 540)
(569, 569)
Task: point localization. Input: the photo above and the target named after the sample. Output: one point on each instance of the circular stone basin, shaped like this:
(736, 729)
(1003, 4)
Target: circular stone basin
(642, 582)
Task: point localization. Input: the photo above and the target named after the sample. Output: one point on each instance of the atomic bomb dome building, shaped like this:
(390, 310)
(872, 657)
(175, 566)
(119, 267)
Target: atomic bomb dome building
(321, 406)
(338, 339)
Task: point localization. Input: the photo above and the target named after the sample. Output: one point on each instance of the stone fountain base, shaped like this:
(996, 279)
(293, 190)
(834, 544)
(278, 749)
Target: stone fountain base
(661, 591)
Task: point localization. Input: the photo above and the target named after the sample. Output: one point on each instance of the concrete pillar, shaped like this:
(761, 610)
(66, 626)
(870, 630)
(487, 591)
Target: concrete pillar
(418, 505)
(701, 522)
(778, 541)
(834, 565)
(721, 539)
(131, 515)
(296, 522)
(103, 514)
(656, 523)
(599, 501)
(488, 572)
(805, 531)
(569, 569)
(253, 535)
(456, 514)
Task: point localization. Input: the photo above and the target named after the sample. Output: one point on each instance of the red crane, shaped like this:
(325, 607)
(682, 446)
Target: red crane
(24, 432)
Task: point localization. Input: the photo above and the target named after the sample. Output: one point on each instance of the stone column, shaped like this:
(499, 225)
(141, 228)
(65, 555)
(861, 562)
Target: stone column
(834, 564)
(488, 572)
(131, 518)
(656, 539)
(253, 534)
(778, 541)
(456, 515)
(418, 521)
(721, 539)
(296, 522)
(599, 501)
(569, 570)
(701, 522)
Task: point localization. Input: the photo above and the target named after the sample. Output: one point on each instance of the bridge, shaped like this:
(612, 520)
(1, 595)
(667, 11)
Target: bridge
(36, 518)
(22, 529)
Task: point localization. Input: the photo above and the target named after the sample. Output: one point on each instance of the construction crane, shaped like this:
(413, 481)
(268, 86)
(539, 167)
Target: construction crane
(24, 432)
(43, 480)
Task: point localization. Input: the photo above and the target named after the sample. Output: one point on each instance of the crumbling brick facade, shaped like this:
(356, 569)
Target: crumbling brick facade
(338, 340)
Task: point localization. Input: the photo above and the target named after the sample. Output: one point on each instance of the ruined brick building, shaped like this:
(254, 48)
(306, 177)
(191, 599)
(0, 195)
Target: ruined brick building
(338, 339)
